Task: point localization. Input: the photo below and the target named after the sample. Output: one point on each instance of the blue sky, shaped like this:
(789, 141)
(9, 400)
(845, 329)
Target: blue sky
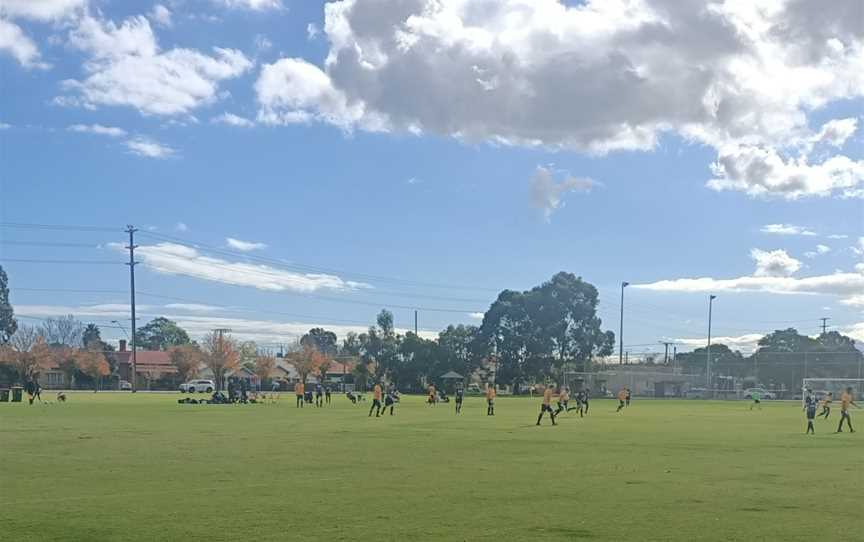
(416, 168)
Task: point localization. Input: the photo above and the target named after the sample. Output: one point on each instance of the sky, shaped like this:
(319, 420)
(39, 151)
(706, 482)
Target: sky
(290, 164)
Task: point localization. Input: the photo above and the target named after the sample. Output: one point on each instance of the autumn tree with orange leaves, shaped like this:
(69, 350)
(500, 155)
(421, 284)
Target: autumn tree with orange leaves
(187, 359)
(27, 353)
(91, 361)
(221, 354)
(265, 363)
(306, 361)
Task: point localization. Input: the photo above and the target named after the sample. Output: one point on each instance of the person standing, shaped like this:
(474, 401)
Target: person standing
(460, 395)
(299, 391)
(431, 399)
(756, 395)
(490, 400)
(327, 394)
(376, 401)
(845, 401)
(319, 395)
(585, 397)
(627, 397)
(810, 411)
(547, 406)
(390, 400)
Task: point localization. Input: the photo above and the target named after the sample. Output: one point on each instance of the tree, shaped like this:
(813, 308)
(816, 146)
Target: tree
(265, 363)
(27, 353)
(63, 331)
(323, 366)
(91, 361)
(91, 336)
(161, 334)
(306, 360)
(458, 349)
(324, 341)
(8, 325)
(187, 359)
(220, 355)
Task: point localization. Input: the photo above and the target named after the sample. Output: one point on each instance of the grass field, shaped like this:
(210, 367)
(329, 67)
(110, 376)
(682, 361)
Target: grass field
(114, 466)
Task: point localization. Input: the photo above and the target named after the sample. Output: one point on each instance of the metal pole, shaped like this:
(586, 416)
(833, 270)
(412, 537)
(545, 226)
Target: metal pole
(621, 327)
(708, 363)
(132, 263)
(415, 322)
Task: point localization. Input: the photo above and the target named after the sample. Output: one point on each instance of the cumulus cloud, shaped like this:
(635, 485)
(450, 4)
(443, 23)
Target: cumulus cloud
(19, 46)
(836, 132)
(40, 10)
(255, 5)
(244, 246)
(232, 120)
(745, 343)
(312, 31)
(127, 67)
(594, 76)
(476, 315)
(775, 263)
(174, 259)
(161, 15)
(546, 193)
(149, 148)
(786, 229)
(820, 250)
(98, 129)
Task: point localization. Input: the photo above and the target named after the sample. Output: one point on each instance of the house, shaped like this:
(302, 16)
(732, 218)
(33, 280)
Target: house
(150, 365)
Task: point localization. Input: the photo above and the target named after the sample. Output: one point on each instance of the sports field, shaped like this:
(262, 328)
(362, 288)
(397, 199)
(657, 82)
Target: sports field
(112, 466)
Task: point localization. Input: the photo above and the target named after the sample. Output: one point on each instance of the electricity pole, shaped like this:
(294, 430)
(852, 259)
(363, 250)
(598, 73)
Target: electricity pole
(132, 263)
(415, 321)
(621, 327)
(666, 354)
(825, 325)
(711, 299)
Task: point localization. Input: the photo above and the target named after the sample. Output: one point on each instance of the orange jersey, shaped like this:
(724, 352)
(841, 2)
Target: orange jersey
(564, 397)
(431, 391)
(845, 400)
(547, 396)
(299, 388)
(490, 393)
(622, 395)
(376, 392)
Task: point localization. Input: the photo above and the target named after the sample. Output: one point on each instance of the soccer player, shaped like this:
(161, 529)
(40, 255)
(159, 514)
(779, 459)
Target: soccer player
(622, 396)
(845, 401)
(490, 400)
(563, 399)
(390, 400)
(431, 399)
(585, 397)
(460, 395)
(546, 406)
(376, 401)
(319, 395)
(327, 394)
(757, 400)
(826, 405)
(627, 399)
(810, 410)
(299, 391)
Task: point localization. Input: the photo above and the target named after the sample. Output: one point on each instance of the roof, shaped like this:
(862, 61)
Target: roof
(148, 360)
(451, 375)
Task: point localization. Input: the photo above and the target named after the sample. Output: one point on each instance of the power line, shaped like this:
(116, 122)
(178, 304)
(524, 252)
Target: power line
(48, 244)
(61, 227)
(62, 262)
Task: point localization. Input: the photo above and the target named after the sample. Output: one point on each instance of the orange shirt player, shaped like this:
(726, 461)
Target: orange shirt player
(490, 400)
(299, 390)
(622, 396)
(547, 406)
(431, 398)
(376, 401)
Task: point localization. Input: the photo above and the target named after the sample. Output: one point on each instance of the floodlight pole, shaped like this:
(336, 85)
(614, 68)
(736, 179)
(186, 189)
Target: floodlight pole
(132, 263)
(711, 299)
(621, 327)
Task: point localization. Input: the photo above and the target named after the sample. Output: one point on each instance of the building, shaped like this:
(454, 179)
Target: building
(150, 366)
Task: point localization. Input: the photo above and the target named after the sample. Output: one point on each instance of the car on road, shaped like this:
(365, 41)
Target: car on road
(125, 386)
(199, 386)
(763, 393)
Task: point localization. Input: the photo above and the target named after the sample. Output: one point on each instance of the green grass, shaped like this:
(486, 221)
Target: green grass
(121, 467)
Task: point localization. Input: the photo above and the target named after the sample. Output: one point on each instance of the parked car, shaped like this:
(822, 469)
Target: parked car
(198, 385)
(125, 386)
(763, 393)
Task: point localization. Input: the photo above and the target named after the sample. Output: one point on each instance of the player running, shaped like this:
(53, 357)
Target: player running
(563, 399)
(490, 400)
(300, 392)
(376, 401)
(810, 411)
(546, 406)
(826, 405)
(460, 395)
(586, 396)
(390, 400)
(845, 401)
(627, 398)
(622, 396)
(756, 395)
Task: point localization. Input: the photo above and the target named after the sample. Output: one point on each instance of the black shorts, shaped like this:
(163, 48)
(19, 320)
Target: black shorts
(757, 401)
(545, 408)
(490, 402)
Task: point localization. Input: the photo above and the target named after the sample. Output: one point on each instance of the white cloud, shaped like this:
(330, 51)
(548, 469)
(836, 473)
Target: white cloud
(192, 307)
(837, 131)
(775, 263)
(181, 226)
(149, 148)
(745, 343)
(762, 171)
(161, 15)
(594, 76)
(312, 31)
(858, 249)
(476, 315)
(98, 129)
(820, 250)
(856, 331)
(262, 43)
(546, 194)
(256, 5)
(14, 42)
(245, 246)
(5, 126)
(232, 120)
(40, 10)
(786, 229)
(127, 68)
(838, 236)
(174, 259)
